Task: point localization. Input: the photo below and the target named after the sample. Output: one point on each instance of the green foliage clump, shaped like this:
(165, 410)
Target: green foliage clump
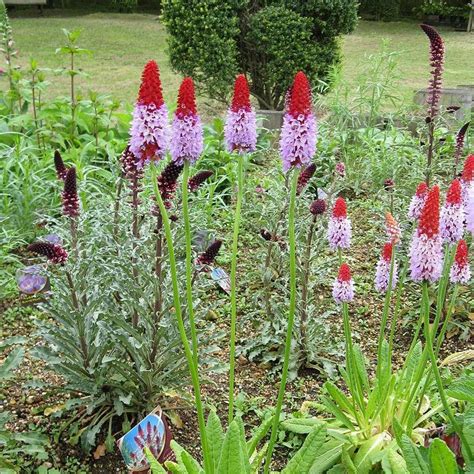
(269, 43)
(386, 10)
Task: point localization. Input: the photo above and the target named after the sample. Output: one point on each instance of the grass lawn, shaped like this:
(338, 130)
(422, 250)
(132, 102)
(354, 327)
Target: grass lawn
(123, 43)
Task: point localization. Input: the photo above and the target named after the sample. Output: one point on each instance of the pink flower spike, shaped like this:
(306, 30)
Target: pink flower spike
(149, 133)
(418, 201)
(460, 271)
(339, 228)
(426, 251)
(382, 274)
(343, 289)
(187, 135)
(241, 127)
(452, 215)
(298, 133)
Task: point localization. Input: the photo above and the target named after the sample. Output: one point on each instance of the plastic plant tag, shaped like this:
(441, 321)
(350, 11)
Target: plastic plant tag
(222, 279)
(321, 193)
(52, 239)
(152, 432)
(31, 280)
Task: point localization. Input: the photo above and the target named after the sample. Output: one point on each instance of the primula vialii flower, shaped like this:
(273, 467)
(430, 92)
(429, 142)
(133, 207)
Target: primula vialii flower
(53, 252)
(149, 134)
(305, 175)
(382, 274)
(343, 289)
(460, 272)
(436, 62)
(392, 228)
(418, 201)
(186, 137)
(340, 169)
(61, 169)
(298, 133)
(69, 195)
(208, 257)
(467, 178)
(168, 181)
(426, 251)
(452, 215)
(241, 127)
(195, 182)
(339, 228)
(469, 210)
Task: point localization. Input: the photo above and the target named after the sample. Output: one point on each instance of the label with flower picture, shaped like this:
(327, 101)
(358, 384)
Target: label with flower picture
(220, 276)
(152, 432)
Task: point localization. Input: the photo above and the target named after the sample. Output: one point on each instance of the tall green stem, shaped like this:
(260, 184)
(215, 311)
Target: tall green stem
(193, 370)
(291, 320)
(233, 284)
(189, 263)
(437, 376)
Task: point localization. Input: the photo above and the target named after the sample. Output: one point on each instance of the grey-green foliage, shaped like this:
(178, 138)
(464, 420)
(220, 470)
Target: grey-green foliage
(268, 41)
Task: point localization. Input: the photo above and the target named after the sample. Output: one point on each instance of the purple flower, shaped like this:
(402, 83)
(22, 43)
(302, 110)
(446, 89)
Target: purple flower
(187, 139)
(382, 273)
(298, 133)
(339, 227)
(340, 169)
(460, 271)
(343, 288)
(418, 201)
(53, 252)
(69, 195)
(469, 209)
(241, 127)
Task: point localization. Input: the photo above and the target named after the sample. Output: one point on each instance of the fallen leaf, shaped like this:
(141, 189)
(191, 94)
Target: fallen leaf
(99, 451)
(175, 419)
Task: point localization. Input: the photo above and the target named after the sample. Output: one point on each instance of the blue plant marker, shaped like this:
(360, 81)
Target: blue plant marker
(222, 279)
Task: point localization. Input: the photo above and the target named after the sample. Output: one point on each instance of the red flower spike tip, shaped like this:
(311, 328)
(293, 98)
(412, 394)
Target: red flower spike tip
(186, 98)
(344, 273)
(454, 193)
(429, 219)
(150, 88)
(340, 209)
(300, 102)
(468, 171)
(461, 254)
(422, 189)
(241, 98)
(387, 251)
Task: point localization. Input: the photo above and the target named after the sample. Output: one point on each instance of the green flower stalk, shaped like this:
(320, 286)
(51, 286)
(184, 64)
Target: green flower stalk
(193, 370)
(241, 137)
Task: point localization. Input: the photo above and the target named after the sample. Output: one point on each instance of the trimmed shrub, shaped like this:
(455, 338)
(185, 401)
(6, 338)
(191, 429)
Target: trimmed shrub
(217, 40)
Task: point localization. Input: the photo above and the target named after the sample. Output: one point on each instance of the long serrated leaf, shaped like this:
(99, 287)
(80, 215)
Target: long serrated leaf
(337, 412)
(361, 367)
(339, 397)
(415, 462)
(300, 425)
(304, 458)
(329, 453)
(468, 429)
(12, 361)
(393, 463)
(441, 458)
(191, 465)
(233, 457)
(462, 389)
(215, 436)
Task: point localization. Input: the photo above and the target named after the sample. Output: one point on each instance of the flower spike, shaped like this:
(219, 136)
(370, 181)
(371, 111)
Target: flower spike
(187, 135)
(167, 182)
(298, 134)
(382, 274)
(61, 169)
(426, 251)
(339, 228)
(208, 257)
(53, 252)
(460, 271)
(69, 195)
(149, 133)
(418, 201)
(241, 127)
(198, 179)
(343, 289)
(436, 61)
(305, 175)
(452, 214)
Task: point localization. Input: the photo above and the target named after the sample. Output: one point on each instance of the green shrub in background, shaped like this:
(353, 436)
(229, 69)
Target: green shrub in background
(268, 41)
(386, 10)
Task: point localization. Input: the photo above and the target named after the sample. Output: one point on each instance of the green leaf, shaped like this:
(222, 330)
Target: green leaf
(363, 460)
(13, 360)
(339, 397)
(462, 389)
(304, 458)
(347, 462)
(415, 462)
(259, 434)
(233, 457)
(191, 465)
(329, 453)
(442, 459)
(215, 436)
(300, 425)
(360, 366)
(468, 429)
(258, 459)
(155, 466)
(393, 463)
